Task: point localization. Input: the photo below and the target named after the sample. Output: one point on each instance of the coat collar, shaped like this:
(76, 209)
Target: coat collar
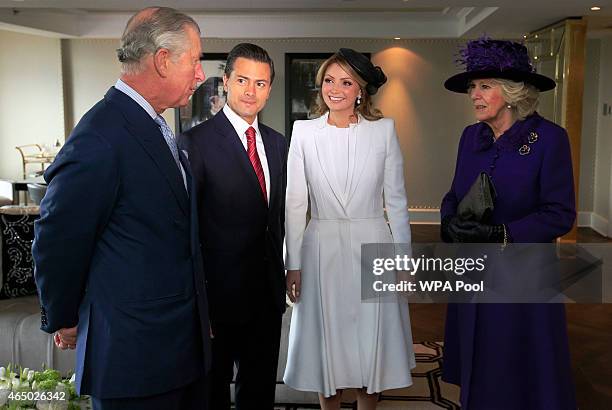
(511, 140)
(326, 156)
(142, 127)
(321, 122)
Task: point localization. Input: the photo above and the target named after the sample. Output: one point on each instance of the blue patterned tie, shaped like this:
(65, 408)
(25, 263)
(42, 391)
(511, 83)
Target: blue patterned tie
(171, 141)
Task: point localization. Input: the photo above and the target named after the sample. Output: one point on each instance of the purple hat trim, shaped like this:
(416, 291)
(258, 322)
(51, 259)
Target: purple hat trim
(487, 58)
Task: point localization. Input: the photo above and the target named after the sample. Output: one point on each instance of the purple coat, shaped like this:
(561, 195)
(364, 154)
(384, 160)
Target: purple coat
(505, 356)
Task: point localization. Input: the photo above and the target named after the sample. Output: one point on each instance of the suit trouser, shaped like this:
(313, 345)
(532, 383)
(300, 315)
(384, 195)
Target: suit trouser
(193, 396)
(253, 347)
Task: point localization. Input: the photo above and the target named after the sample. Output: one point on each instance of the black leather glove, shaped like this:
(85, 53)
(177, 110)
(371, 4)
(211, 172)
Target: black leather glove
(446, 233)
(475, 232)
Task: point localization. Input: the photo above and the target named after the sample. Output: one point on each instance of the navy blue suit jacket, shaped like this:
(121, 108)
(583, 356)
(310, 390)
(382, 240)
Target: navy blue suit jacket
(116, 253)
(241, 235)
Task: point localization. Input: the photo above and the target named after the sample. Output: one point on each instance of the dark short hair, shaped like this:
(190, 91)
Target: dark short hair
(250, 52)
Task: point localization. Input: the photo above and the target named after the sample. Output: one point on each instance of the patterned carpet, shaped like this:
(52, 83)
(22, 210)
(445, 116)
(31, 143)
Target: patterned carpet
(427, 393)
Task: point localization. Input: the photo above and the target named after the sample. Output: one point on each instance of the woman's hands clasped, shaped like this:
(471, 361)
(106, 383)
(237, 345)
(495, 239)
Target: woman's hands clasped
(294, 284)
(454, 229)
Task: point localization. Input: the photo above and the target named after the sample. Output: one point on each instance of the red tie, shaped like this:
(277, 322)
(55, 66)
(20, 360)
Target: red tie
(254, 157)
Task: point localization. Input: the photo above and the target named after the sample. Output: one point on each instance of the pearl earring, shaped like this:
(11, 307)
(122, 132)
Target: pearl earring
(359, 100)
(509, 106)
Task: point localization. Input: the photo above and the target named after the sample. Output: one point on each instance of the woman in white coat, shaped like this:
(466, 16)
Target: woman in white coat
(346, 162)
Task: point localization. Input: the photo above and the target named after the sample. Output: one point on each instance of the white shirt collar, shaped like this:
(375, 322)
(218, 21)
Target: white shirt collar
(239, 124)
(135, 95)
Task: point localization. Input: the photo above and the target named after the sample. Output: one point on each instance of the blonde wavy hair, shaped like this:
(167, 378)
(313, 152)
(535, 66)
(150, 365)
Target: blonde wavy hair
(523, 97)
(365, 109)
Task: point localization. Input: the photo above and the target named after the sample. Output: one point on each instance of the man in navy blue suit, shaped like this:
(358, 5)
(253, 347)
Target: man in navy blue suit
(117, 256)
(239, 168)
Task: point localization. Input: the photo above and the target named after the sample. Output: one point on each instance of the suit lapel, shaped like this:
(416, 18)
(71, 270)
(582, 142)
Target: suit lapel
(273, 162)
(232, 144)
(147, 133)
(187, 167)
(193, 208)
(325, 156)
(363, 145)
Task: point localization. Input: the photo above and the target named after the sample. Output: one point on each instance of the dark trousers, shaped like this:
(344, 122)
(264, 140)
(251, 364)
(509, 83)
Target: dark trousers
(253, 347)
(193, 396)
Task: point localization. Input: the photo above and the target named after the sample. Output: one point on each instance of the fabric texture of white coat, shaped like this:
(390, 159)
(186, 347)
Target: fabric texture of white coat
(337, 341)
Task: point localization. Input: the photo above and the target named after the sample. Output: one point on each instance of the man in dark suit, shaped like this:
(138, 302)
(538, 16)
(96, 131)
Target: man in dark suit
(118, 263)
(239, 169)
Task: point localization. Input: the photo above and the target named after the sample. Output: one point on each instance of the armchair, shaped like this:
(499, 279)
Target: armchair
(34, 154)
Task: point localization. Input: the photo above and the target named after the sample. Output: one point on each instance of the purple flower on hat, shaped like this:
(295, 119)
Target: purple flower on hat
(487, 54)
(487, 58)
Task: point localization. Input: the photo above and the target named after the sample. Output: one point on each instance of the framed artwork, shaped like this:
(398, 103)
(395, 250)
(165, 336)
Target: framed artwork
(300, 86)
(208, 99)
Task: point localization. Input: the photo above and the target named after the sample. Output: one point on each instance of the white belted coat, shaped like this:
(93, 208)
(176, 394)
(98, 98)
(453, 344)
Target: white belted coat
(336, 341)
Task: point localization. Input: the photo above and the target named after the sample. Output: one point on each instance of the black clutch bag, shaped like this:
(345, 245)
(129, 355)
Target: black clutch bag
(478, 203)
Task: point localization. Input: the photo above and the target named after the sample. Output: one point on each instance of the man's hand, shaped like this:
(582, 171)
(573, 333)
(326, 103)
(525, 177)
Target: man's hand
(294, 284)
(66, 338)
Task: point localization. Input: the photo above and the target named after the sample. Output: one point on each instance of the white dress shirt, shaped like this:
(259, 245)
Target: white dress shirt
(240, 125)
(135, 95)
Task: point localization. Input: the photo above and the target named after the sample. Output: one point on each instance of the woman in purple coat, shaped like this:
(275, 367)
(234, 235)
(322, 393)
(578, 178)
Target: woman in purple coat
(509, 356)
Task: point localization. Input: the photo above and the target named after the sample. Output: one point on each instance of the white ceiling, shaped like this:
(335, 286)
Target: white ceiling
(310, 18)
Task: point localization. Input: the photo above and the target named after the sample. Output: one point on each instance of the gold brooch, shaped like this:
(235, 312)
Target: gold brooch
(533, 137)
(524, 150)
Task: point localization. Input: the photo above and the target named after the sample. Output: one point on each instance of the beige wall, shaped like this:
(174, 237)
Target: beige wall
(602, 201)
(91, 68)
(31, 107)
(590, 112)
(429, 119)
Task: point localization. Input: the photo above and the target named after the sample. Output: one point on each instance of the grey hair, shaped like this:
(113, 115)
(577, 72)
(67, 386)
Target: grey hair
(523, 97)
(149, 30)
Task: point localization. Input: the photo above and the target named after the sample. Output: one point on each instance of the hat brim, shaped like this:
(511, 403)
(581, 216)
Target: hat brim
(459, 82)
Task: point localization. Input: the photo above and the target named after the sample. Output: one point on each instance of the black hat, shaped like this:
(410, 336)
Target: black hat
(487, 58)
(372, 75)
